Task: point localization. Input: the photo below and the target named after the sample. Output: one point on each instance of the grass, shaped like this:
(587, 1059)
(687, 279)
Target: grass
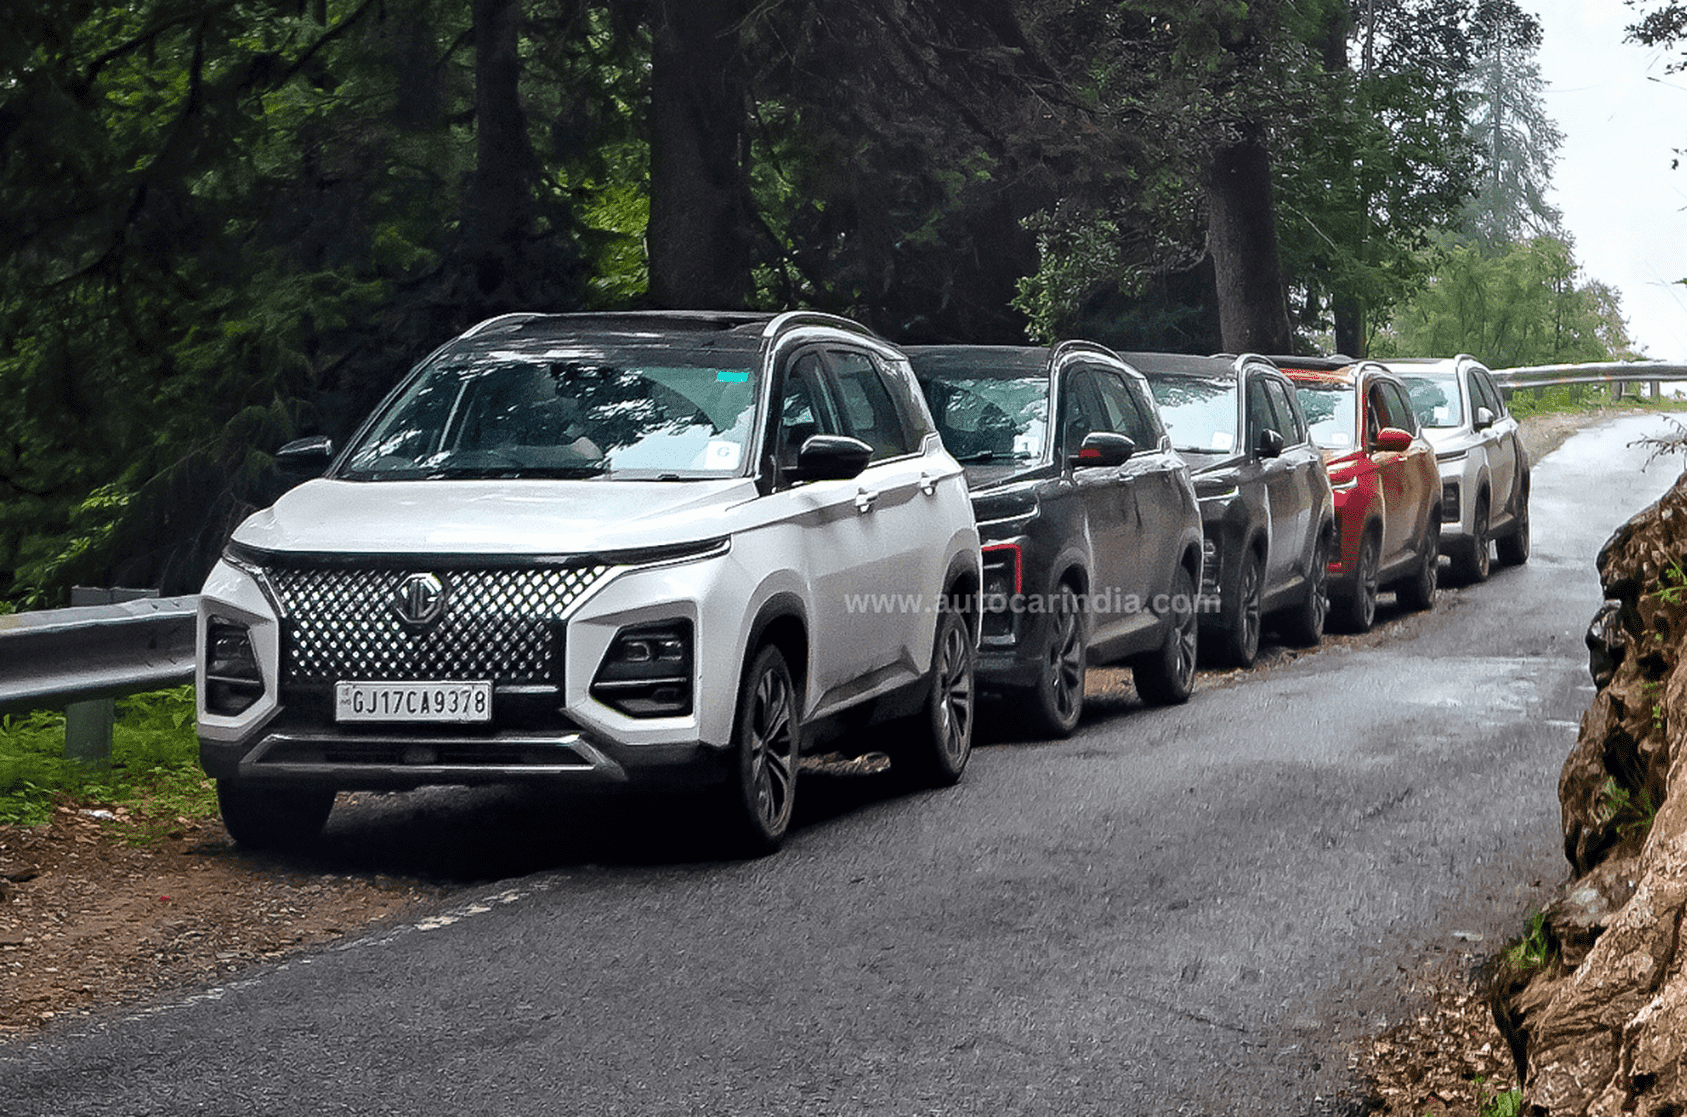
(1584, 397)
(154, 778)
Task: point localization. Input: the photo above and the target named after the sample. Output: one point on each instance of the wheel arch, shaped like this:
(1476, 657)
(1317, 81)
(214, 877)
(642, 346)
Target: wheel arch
(783, 622)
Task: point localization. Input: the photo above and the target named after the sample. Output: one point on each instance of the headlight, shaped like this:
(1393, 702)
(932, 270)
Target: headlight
(647, 671)
(233, 680)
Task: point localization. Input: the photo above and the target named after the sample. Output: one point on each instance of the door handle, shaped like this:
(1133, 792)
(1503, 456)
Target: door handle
(865, 499)
(928, 483)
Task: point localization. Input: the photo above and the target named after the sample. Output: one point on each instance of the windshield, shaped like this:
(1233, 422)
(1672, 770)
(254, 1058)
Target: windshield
(1330, 413)
(983, 419)
(1199, 412)
(1435, 398)
(574, 410)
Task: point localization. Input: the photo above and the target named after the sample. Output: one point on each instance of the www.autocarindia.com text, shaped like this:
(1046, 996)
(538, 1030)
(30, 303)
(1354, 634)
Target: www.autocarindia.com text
(1105, 601)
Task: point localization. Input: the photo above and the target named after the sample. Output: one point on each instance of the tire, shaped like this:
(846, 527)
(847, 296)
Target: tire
(1513, 549)
(1243, 619)
(939, 741)
(1167, 677)
(1418, 592)
(260, 815)
(1473, 563)
(1357, 611)
(1304, 625)
(767, 743)
(1057, 700)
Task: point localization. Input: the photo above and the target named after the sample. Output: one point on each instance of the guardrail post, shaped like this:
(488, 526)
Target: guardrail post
(88, 724)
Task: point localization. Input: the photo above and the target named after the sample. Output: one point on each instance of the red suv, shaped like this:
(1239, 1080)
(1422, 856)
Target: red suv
(1387, 487)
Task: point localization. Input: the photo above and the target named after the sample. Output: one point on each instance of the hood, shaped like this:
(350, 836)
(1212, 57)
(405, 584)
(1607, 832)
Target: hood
(993, 476)
(493, 517)
(1448, 438)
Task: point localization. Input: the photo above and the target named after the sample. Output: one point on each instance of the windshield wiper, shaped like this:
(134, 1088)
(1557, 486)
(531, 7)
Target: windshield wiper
(517, 472)
(993, 455)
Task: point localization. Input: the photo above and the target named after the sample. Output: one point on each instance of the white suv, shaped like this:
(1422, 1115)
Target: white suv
(1484, 467)
(662, 549)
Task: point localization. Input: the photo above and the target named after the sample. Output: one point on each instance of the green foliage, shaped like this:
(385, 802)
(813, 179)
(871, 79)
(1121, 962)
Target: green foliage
(1532, 949)
(1672, 584)
(154, 773)
(1506, 1103)
(1516, 308)
(1626, 812)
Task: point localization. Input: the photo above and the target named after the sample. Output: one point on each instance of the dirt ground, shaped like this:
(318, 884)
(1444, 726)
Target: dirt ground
(88, 924)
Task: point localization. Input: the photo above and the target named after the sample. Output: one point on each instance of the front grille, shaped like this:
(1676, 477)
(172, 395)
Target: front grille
(499, 623)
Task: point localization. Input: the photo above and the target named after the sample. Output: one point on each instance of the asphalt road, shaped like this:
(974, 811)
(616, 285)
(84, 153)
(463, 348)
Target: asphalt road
(1191, 910)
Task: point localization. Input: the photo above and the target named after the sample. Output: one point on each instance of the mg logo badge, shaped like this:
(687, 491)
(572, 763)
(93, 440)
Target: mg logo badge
(420, 600)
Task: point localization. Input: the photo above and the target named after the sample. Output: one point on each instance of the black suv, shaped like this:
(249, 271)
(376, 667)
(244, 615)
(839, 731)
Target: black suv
(1087, 519)
(1266, 506)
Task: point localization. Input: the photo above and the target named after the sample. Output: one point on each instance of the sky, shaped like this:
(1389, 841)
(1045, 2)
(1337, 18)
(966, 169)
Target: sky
(1623, 117)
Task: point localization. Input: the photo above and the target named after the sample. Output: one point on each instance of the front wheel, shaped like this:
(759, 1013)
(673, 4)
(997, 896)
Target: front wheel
(1473, 564)
(1513, 549)
(262, 815)
(767, 741)
(1166, 677)
(1057, 701)
(1357, 612)
(940, 740)
(1418, 592)
(1305, 623)
(1243, 618)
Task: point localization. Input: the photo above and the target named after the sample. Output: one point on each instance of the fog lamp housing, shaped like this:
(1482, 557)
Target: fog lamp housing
(648, 670)
(233, 679)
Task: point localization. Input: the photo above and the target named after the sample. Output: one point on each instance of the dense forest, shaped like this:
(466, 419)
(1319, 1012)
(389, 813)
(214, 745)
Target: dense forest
(232, 222)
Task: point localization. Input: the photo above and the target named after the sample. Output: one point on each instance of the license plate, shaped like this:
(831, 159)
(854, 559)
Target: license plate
(437, 702)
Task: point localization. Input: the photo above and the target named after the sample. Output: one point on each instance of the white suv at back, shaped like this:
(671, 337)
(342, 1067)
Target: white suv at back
(1484, 467)
(658, 550)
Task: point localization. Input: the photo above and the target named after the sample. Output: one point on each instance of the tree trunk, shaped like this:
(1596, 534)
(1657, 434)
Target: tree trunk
(499, 211)
(1242, 236)
(700, 211)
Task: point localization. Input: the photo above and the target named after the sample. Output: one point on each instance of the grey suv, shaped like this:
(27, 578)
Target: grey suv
(1484, 467)
(1267, 511)
(1091, 536)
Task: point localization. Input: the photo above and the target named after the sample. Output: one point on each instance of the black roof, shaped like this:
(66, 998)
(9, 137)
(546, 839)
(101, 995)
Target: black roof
(937, 361)
(1180, 364)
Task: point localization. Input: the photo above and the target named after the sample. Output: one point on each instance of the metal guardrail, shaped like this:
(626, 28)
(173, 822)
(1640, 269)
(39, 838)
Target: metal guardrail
(54, 656)
(1607, 372)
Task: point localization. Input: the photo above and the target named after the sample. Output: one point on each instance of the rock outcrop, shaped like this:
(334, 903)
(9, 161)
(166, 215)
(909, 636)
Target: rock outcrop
(1596, 1016)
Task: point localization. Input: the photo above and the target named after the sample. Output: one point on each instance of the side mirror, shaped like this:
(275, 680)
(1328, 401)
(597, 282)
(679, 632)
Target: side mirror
(1269, 444)
(1103, 448)
(1394, 440)
(831, 457)
(306, 455)
(1484, 419)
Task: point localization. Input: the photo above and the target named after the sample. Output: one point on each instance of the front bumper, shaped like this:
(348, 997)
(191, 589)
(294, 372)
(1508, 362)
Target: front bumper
(407, 759)
(548, 726)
